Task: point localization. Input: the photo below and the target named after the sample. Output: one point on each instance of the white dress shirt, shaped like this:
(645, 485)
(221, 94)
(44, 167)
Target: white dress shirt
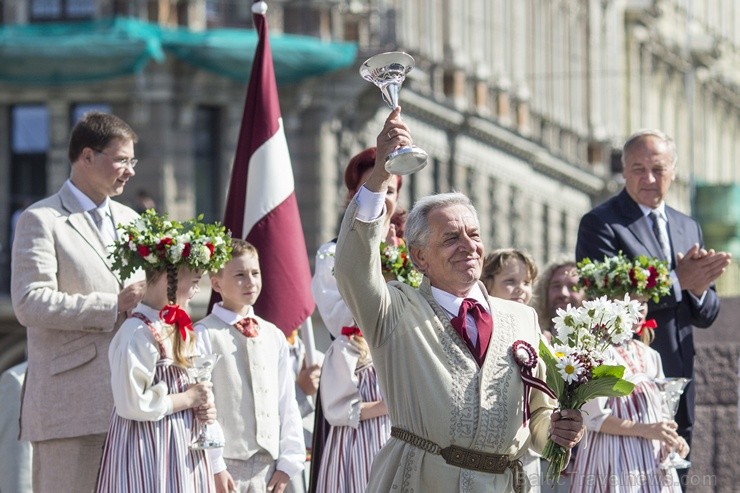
(663, 225)
(369, 207)
(109, 230)
(292, 445)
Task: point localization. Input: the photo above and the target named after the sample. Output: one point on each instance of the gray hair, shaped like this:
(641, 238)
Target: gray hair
(638, 136)
(417, 224)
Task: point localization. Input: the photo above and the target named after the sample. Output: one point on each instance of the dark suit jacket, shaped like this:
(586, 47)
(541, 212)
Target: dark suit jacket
(619, 224)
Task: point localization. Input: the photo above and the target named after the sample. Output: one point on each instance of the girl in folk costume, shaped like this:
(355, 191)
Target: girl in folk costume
(629, 436)
(156, 409)
(349, 395)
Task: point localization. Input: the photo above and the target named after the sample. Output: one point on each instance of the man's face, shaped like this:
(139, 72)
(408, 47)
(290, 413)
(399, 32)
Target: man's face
(560, 292)
(106, 173)
(649, 171)
(453, 256)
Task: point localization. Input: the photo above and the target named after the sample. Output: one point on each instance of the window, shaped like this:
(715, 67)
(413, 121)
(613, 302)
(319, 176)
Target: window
(80, 109)
(56, 10)
(209, 197)
(29, 145)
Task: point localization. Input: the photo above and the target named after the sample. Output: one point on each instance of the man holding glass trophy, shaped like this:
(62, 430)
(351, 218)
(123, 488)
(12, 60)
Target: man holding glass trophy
(388, 71)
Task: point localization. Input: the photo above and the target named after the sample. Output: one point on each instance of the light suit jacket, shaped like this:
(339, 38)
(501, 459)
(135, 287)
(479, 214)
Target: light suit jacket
(64, 292)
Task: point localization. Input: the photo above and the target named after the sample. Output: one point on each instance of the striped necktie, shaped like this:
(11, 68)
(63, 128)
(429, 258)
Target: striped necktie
(104, 224)
(659, 230)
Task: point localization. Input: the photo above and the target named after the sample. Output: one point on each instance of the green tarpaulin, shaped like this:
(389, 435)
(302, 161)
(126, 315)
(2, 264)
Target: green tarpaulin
(78, 52)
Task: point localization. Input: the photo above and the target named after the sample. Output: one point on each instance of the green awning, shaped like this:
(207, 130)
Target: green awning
(229, 52)
(69, 53)
(78, 52)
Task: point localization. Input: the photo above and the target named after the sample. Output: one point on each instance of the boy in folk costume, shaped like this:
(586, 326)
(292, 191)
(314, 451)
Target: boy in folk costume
(253, 383)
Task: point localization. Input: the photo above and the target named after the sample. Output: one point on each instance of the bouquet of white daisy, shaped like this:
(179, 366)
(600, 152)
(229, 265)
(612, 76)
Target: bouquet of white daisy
(576, 372)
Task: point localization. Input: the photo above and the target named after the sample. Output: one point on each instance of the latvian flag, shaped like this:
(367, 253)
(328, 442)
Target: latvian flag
(261, 206)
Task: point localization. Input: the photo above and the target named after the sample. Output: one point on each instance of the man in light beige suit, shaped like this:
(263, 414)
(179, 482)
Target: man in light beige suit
(71, 302)
(443, 352)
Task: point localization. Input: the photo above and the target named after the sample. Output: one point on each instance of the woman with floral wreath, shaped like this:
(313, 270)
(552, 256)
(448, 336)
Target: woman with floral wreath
(349, 395)
(628, 436)
(156, 408)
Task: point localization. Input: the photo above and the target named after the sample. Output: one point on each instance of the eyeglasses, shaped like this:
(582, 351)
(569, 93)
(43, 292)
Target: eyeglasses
(120, 161)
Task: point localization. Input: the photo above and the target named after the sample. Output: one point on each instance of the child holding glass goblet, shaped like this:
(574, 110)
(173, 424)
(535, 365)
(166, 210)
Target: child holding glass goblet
(154, 419)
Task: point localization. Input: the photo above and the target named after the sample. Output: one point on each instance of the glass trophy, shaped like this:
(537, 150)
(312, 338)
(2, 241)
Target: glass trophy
(388, 71)
(200, 371)
(671, 390)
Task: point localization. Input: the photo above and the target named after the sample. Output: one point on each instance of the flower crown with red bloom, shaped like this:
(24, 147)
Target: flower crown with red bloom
(395, 261)
(153, 242)
(644, 277)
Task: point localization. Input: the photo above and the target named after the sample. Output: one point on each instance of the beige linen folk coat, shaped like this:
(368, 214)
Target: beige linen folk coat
(431, 383)
(64, 292)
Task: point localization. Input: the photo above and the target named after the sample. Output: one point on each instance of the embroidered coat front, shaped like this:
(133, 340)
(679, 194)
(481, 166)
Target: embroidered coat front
(432, 384)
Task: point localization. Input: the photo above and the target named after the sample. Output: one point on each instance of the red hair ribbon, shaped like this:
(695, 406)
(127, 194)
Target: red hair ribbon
(525, 357)
(647, 324)
(174, 315)
(351, 331)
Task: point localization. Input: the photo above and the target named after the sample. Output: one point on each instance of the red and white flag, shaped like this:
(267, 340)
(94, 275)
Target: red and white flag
(261, 206)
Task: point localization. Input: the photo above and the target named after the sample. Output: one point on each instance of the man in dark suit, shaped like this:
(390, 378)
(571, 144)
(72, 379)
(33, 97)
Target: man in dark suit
(637, 221)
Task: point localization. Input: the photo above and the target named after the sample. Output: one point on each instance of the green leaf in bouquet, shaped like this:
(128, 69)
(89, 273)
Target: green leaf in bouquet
(554, 380)
(607, 386)
(608, 371)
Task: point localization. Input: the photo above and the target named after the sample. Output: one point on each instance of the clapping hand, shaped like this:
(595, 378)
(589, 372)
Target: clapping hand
(698, 268)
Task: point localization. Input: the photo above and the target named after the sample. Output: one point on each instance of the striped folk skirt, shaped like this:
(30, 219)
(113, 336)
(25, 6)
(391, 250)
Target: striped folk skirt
(348, 452)
(154, 456)
(620, 464)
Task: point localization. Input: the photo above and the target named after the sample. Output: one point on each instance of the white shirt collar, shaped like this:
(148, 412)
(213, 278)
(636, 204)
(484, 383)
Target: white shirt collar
(451, 303)
(660, 210)
(86, 202)
(227, 315)
(151, 313)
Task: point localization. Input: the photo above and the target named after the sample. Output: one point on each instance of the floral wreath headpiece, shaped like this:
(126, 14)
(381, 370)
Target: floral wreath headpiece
(395, 261)
(644, 277)
(153, 242)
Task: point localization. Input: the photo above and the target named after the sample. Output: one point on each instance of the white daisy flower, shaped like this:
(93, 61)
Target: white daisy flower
(570, 369)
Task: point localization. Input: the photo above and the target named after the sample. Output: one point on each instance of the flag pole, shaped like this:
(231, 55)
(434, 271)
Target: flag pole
(308, 342)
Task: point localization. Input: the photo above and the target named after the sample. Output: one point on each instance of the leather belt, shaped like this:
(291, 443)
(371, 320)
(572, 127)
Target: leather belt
(466, 458)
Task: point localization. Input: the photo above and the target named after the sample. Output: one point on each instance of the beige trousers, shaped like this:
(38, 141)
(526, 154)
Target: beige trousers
(67, 465)
(253, 474)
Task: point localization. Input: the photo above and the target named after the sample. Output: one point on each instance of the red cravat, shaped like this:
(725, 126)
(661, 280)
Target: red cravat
(351, 331)
(248, 326)
(483, 322)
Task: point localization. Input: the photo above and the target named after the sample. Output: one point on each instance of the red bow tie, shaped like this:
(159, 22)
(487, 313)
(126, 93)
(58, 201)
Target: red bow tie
(174, 315)
(351, 331)
(248, 326)
(647, 324)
